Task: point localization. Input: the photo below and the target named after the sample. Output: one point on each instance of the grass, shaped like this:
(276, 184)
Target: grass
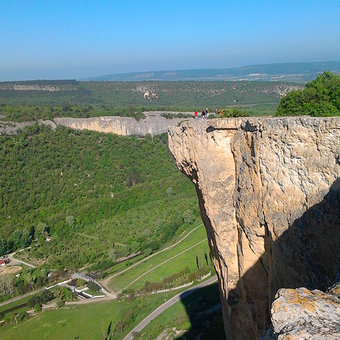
(86, 321)
(121, 281)
(181, 232)
(186, 316)
(93, 292)
(14, 305)
(186, 259)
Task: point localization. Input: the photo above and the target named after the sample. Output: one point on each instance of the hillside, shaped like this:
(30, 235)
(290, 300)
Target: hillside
(92, 193)
(292, 72)
(259, 97)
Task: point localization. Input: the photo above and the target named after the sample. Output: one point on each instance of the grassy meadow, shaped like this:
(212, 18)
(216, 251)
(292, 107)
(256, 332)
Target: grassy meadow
(177, 259)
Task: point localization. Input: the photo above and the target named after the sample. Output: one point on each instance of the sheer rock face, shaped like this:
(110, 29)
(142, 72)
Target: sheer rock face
(153, 124)
(269, 192)
(124, 126)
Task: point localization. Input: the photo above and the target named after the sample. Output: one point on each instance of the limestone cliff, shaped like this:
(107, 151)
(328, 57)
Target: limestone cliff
(269, 192)
(153, 124)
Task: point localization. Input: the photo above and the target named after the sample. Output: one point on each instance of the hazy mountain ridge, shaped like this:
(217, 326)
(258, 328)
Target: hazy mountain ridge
(293, 72)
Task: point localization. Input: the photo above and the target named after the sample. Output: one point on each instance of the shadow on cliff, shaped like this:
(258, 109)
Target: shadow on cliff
(305, 255)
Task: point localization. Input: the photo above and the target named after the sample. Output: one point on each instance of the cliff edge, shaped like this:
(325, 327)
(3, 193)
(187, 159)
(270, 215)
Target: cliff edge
(269, 194)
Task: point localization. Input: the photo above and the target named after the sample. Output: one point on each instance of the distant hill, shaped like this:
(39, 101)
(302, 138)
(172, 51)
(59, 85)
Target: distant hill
(291, 72)
(258, 96)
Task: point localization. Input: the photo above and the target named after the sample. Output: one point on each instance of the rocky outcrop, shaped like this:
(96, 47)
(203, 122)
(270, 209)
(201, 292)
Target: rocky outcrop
(268, 190)
(304, 314)
(11, 128)
(153, 124)
(124, 126)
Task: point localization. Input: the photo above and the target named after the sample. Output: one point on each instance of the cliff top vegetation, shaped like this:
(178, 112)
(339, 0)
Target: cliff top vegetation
(320, 97)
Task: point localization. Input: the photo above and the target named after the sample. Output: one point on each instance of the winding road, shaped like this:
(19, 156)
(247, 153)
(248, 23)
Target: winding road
(167, 305)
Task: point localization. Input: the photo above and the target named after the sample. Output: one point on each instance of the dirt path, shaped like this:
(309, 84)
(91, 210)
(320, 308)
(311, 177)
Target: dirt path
(110, 294)
(84, 235)
(160, 264)
(106, 281)
(17, 298)
(17, 261)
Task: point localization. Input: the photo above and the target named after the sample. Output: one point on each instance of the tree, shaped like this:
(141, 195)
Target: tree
(93, 286)
(112, 254)
(188, 217)
(6, 285)
(321, 97)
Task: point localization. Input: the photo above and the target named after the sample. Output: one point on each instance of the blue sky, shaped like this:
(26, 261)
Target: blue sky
(56, 39)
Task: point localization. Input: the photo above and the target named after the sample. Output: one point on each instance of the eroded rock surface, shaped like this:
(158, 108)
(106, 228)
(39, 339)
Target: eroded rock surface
(303, 314)
(153, 124)
(269, 192)
(11, 128)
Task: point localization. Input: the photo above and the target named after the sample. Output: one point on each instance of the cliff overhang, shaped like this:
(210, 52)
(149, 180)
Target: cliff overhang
(268, 191)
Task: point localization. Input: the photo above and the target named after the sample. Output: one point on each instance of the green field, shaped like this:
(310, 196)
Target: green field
(189, 316)
(188, 258)
(86, 321)
(89, 320)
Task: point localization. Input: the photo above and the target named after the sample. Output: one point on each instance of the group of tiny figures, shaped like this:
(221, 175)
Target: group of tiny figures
(205, 114)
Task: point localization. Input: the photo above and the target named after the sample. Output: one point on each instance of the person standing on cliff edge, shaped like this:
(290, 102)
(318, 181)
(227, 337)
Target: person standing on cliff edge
(196, 115)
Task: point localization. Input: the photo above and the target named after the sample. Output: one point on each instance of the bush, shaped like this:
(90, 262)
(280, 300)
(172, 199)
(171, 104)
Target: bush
(233, 113)
(37, 308)
(21, 316)
(62, 293)
(46, 296)
(148, 251)
(33, 301)
(93, 286)
(60, 303)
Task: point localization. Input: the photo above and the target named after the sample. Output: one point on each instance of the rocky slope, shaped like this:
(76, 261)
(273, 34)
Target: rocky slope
(269, 196)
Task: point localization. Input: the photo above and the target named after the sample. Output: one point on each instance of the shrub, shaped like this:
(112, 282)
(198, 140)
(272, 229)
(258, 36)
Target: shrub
(21, 316)
(46, 296)
(37, 308)
(93, 286)
(33, 301)
(62, 293)
(60, 303)
(233, 113)
(148, 251)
